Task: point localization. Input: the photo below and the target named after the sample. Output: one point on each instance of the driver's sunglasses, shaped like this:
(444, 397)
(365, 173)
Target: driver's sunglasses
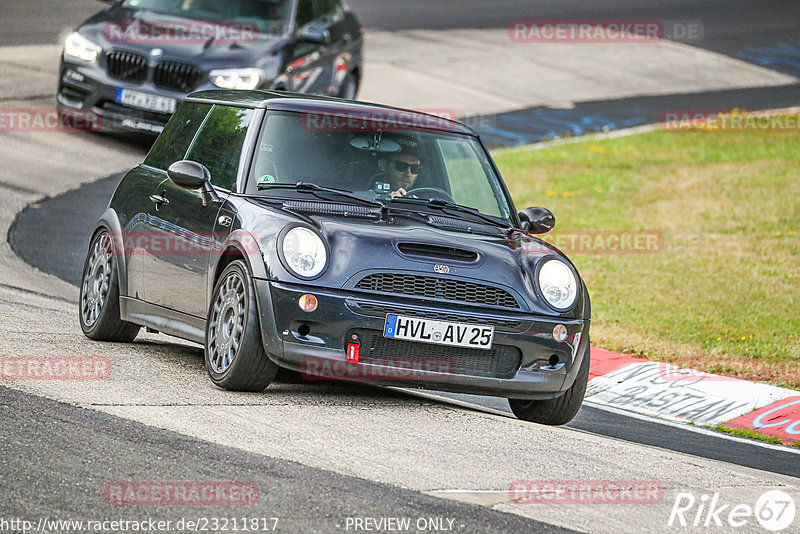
(402, 166)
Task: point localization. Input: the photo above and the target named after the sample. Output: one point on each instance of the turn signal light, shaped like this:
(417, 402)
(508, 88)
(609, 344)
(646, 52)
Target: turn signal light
(560, 333)
(308, 302)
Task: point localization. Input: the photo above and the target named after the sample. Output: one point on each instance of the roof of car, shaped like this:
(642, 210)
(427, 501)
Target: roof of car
(298, 102)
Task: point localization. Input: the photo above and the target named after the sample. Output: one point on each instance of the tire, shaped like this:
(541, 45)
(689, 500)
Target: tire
(558, 411)
(98, 305)
(234, 353)
(349, 89)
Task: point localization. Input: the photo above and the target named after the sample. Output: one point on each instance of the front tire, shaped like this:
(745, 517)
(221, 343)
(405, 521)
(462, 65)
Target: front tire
(562, 409)
(99, 300)
(234, 353)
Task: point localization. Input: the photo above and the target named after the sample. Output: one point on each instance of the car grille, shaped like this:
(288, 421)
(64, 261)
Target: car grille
(378, 310)
(175, 76)
(499, 362)
(438, 288)
(126, 66)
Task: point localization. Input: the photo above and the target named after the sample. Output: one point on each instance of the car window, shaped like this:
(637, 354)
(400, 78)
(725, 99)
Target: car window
(343, 152)
(172, 144)
(219, 143)
(306, 12)
(467, 177)
(326, 6)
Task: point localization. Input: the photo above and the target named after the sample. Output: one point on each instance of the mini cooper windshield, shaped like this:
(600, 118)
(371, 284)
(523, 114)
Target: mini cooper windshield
(266, 15)
(394, 164)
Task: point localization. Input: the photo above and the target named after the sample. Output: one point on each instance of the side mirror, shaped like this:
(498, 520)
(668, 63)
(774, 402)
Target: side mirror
(537, 220)
(193, 175)
(314, 33)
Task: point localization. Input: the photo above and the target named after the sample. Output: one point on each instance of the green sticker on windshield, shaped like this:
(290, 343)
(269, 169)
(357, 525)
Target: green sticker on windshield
(266, 179)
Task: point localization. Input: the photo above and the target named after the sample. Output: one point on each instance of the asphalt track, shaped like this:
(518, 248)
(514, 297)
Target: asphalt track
(48, 440)
(301, 498)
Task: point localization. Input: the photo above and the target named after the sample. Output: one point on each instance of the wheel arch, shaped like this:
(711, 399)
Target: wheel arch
(240, 245)
(109, 221)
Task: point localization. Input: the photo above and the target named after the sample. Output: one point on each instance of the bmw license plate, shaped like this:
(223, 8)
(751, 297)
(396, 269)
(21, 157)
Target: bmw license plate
(438, 332)
(137, 99)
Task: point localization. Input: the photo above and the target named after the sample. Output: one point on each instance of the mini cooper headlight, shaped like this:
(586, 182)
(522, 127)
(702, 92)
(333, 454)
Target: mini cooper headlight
(304, 252)
(80, 47)
(558, 284)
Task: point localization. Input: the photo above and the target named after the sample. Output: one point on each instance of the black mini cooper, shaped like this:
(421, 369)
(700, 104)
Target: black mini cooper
(130, 65)
(342, 240)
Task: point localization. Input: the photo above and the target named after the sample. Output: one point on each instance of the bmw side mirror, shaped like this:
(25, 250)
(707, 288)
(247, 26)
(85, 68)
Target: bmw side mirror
(314, 33)
(537, 220)
(193, 175)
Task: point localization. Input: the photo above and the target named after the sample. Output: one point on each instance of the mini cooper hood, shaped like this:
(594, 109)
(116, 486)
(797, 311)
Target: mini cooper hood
(107, 29)
(359, 247)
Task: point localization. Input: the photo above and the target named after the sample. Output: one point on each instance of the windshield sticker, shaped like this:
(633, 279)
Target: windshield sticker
(266, 179)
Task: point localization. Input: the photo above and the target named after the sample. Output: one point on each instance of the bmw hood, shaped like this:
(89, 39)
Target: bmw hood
(206, 43)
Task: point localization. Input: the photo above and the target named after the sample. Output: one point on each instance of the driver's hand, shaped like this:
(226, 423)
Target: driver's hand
(399, 193)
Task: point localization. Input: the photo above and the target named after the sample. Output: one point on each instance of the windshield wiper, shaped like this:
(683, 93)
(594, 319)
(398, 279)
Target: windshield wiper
(441, 204)
(314, 189)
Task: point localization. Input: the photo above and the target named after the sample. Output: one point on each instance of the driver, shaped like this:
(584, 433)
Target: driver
(401, 169)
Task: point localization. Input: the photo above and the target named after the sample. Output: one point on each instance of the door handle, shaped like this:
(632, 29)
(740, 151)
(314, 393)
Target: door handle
(160, 199)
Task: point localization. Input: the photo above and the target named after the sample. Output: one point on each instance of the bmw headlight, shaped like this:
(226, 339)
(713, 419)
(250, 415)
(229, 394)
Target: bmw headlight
(304, 252)
(558, 285)
(80, 47)
(244, 79)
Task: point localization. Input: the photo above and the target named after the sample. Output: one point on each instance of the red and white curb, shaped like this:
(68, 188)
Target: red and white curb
(668, 392)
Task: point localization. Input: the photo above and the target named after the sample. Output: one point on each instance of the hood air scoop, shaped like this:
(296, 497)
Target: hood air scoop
(433, 252)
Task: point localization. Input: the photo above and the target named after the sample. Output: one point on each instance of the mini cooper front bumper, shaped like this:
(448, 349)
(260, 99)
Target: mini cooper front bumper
(525, 361)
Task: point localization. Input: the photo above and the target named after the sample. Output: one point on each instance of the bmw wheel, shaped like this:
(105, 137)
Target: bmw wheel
(562, 409)
(99, 299)
(234, 353)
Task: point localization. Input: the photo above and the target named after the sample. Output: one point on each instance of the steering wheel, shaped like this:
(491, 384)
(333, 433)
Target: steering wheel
(427, 190)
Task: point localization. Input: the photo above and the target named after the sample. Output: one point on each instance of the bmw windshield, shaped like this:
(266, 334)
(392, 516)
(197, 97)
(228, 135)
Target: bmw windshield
(398, 164)
(266, 15)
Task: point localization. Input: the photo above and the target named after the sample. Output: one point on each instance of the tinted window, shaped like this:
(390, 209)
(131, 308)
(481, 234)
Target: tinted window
(219, 144)
(306, 12)
(353, 152)
(174, 141)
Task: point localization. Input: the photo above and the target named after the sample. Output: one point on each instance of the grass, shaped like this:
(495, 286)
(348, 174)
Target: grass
(721, 296)
(752, 434)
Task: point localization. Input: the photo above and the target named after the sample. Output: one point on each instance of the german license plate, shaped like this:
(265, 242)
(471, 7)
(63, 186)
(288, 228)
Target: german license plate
(438, 332)
(137, 99)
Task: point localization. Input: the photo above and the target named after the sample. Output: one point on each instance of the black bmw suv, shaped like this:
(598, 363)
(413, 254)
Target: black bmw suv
(131, 64)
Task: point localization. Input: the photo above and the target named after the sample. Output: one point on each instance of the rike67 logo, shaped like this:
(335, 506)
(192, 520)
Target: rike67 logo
(774, 510)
